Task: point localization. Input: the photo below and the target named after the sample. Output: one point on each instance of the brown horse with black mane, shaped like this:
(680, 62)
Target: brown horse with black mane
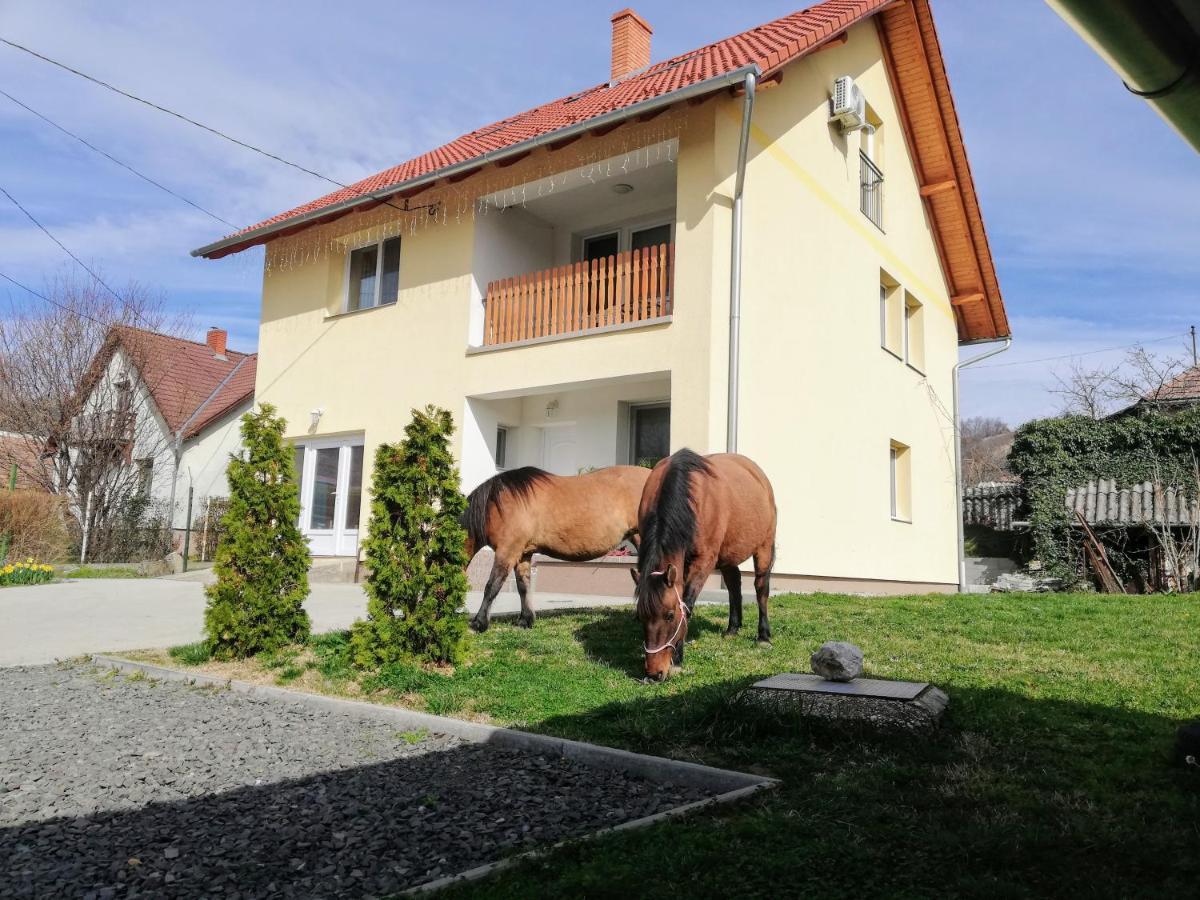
(526, 511)
(698, 514)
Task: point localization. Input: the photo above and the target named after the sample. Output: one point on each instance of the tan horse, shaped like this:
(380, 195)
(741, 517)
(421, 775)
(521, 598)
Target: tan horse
(699, 514)
(527, 511)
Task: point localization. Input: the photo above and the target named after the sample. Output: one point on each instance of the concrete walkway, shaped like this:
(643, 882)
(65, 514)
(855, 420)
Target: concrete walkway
(44, 623)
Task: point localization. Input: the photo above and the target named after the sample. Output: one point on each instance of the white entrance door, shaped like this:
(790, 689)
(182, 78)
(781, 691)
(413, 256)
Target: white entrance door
(330, 495)
(558, 450)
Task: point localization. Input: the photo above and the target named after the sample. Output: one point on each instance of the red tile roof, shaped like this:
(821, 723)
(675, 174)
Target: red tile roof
(770, 46)
(181, 375)
(915, 68)
(1183, 388)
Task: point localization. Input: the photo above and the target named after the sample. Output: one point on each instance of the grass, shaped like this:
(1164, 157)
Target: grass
(1052, 776)
(101, 572)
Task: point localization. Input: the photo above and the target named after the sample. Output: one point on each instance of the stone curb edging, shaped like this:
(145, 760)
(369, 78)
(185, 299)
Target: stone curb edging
(728, 784)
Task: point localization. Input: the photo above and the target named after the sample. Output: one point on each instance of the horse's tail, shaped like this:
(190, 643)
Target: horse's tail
(474, 517)
(519, 482)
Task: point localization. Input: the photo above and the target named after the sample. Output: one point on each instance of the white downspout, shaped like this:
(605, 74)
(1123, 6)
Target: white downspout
(735, 270)
(958, 474)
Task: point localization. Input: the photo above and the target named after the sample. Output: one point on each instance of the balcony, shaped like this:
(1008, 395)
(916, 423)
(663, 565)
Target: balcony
(870, 199)
(622, 289)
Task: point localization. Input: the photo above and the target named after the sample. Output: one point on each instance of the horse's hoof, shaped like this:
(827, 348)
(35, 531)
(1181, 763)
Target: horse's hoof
(524, 622)
(766, 645)
(478, 627)
(729, 632)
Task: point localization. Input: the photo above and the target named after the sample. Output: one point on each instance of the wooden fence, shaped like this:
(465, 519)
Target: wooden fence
(634, 286)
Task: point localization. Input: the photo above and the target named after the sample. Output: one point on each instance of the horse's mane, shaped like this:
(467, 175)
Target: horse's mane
(518, 482)
(670, 526)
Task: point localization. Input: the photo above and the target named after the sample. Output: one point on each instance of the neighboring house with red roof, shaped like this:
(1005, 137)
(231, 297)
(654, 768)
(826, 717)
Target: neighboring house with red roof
(170, 407)
(771, 243)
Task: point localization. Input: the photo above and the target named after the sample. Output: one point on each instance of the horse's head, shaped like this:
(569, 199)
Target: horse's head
(664, 618)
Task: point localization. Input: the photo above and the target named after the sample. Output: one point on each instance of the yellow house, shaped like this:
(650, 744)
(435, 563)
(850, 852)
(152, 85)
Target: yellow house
(771, 243)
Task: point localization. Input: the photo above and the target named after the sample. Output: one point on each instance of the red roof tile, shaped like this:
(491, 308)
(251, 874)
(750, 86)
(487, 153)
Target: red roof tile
(1183, 388)
(769, 46)
(181, 375)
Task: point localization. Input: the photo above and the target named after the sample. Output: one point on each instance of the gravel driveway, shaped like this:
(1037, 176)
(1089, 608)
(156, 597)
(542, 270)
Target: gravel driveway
(114, 787)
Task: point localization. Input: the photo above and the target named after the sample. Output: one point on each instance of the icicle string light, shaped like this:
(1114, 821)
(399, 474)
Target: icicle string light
(634, 146)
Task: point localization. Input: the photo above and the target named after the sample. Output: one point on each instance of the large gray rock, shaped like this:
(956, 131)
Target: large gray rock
(838, 661)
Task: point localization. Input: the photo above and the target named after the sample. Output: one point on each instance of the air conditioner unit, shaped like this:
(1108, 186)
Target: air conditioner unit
(848, 105)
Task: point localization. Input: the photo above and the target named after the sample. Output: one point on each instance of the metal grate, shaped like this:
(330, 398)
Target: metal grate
(870, 190)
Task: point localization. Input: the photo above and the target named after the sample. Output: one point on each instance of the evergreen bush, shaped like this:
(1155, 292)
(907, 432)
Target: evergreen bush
(262, 560)
(415, 550)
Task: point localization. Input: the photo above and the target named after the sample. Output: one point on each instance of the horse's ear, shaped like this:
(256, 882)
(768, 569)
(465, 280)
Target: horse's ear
(637, 578)
(670, 576)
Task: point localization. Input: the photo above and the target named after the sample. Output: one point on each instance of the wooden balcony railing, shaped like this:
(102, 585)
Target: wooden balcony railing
(634, 286)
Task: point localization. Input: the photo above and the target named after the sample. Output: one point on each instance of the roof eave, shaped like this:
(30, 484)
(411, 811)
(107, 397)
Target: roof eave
(236, 243)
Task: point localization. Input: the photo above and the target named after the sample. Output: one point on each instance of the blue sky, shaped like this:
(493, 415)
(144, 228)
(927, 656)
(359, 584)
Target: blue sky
(1092, 203)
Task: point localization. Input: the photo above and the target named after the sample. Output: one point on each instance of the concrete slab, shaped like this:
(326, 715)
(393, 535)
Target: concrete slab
(42, 623)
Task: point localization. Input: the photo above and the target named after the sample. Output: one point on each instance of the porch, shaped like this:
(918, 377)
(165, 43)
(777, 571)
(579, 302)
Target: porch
(568, 429)
(576, 253)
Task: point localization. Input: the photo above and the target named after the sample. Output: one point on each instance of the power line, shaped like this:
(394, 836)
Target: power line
(406, 208)
(123, 165)
(169, 112)
(1029, 362)
(124, 303)
(61, 306)
(61, 245)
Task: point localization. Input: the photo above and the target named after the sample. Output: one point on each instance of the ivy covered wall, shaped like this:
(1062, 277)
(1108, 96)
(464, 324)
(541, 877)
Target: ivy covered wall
(1052, 455)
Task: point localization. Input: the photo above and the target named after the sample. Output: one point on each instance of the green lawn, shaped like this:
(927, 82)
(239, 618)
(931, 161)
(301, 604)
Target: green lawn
(1052, 775)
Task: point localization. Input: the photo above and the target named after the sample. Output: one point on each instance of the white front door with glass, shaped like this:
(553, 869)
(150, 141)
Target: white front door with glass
(330, 474)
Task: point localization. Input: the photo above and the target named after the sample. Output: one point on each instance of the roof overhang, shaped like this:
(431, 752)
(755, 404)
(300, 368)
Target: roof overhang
(245, 240)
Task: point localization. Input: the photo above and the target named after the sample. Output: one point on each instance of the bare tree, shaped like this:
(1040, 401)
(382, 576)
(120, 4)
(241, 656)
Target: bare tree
(72, 391)
(985, 445)
(1097, 392)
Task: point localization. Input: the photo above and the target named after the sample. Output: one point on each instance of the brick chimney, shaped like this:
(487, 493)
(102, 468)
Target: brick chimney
(630, 43)
(216, 339)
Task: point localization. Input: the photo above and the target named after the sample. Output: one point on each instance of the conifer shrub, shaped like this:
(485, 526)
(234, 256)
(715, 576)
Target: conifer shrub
(415, 550)
(262, 559)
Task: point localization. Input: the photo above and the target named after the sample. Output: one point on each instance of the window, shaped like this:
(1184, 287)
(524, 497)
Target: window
(354, 488)
(891, 316)
(914, 332)
(649, 434)
(601, 245)
(900, 470)
(374, 275)
(870, 160)
(145, 475)
(501, 447)
(627, 237)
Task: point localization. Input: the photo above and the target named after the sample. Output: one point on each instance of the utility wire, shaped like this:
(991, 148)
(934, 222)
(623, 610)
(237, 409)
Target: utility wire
(124, 303)
(61, 306)
(1029, 362)
(123, 165)
(169, 112)
(406, 208)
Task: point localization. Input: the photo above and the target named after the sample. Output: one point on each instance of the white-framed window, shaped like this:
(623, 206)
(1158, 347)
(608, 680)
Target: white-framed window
(914, 332)
(618, 239)
(900, 477)
(891, 315)
(373, 275)
(501, 447)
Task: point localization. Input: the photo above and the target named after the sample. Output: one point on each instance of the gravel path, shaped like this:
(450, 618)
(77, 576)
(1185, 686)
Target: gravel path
(114, 787)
